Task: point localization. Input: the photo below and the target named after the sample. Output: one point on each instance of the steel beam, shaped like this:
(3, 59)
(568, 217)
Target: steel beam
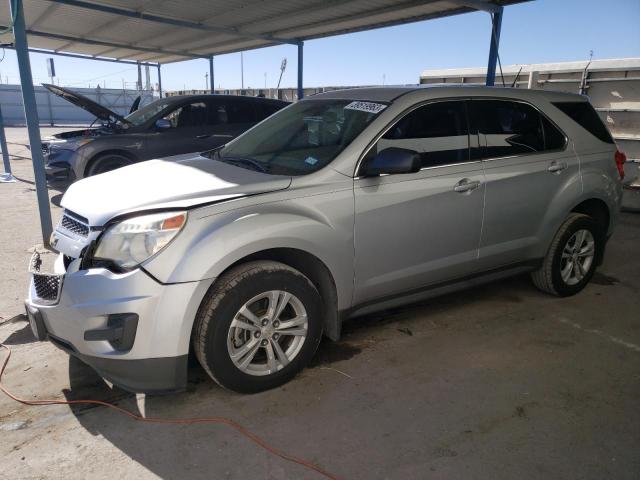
(84, 57)
(496, 25)
(482, 5)
(122, 46)
(159, 81)
(300, 70)
(172, 21)
(3, 147)
(31, 116)
(211, 82)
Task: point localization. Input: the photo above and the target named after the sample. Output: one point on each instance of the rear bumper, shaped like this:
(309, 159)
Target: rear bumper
(147, 355)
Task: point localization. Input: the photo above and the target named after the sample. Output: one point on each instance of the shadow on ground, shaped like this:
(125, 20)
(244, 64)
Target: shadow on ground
(205, 448)
(20, 337)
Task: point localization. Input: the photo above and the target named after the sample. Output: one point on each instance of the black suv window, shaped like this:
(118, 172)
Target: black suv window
(217, 113)
(267, 109)
(510, 128)
(438, 131)
(585, 115)
(239, 111)
(189, 115)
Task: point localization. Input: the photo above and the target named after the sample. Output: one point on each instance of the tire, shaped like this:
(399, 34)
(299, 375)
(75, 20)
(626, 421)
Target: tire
(107, 163)
(221, 329)
(552, 275)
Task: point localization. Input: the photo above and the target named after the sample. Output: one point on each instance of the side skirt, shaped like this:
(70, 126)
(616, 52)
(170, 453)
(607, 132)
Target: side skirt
(438, 289)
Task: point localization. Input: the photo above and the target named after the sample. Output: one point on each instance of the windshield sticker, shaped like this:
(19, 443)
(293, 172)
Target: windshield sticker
(311, 160)
(368, 107)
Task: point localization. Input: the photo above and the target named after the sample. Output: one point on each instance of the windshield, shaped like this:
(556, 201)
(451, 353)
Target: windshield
(302, 138)
(145, 113)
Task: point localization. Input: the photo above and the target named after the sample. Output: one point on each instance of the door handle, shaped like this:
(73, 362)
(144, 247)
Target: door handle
(465, 185)
(200, 137)
(557, 167)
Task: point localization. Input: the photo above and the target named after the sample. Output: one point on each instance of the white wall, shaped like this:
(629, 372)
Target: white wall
(52, 108)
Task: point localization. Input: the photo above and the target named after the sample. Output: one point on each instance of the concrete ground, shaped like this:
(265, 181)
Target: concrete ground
(498, 382)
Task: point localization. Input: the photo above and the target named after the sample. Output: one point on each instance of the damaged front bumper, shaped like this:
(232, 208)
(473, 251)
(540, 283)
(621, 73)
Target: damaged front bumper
(133, 330)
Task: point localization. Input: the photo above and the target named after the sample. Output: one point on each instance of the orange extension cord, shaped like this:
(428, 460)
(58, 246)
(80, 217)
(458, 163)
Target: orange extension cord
(171, 421)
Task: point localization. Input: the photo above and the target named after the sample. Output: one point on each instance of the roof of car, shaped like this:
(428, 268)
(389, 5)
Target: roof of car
(389, 94)
(179, 98)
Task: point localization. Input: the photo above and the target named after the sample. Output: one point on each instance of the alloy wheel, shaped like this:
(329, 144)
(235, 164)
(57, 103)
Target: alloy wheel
(267, 333)
(577, 257)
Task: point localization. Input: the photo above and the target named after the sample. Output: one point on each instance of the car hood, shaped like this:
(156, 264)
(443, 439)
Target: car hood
(100, 111)
(182, 181)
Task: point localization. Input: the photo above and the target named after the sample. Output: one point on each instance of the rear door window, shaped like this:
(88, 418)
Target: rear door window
(509, 128)
(438, 131)
(586, 116)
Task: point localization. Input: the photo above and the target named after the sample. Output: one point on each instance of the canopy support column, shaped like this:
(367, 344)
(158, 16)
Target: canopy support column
(300, 70)
(496, 25)
(159, 81)
(211, 82)
(33, 124)
(6, 177)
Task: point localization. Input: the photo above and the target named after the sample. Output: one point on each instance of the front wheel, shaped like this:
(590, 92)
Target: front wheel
(106, 163)
(571, 260)
(258, 326)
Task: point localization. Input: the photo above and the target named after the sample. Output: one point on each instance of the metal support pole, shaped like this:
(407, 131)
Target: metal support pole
(139, 76)
(159, 81)
(7, 177)
(33, 125)
(211, 82)
(496, 25)
(300, 70)
(242, 71)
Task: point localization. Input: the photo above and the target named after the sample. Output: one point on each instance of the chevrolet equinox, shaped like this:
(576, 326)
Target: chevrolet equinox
(341, 204)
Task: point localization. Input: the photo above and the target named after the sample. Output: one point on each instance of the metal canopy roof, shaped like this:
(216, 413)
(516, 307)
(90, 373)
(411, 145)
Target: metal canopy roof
(167, 31)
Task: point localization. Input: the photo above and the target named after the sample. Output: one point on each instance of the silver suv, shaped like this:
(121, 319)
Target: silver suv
(341, 204)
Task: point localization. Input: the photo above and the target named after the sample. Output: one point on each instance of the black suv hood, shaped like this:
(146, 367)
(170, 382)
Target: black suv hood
(100, 111)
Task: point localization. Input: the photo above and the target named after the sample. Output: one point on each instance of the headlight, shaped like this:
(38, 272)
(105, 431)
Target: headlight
(132, 241)
(84, 141)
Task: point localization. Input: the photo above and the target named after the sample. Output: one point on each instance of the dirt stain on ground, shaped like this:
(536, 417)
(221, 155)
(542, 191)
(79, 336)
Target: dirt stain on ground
(331, 352)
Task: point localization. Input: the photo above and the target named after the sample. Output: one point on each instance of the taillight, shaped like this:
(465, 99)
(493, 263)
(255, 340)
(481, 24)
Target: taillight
(621, 158)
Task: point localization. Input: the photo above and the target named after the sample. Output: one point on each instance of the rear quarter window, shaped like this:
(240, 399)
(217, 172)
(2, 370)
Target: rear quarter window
(584, 115)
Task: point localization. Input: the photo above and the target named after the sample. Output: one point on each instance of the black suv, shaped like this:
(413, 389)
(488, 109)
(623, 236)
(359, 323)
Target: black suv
(165, 127)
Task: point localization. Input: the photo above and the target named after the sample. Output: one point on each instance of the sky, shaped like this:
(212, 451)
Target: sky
(534, 32)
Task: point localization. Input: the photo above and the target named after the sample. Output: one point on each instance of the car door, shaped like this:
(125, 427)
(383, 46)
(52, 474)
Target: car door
(526, 163)
(419, 229)
(187, 133)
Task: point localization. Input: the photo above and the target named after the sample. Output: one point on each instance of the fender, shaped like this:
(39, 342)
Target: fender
(211, 244)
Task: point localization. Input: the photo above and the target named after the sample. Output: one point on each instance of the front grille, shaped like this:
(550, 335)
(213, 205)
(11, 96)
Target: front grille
(47, 286)
(74, 225)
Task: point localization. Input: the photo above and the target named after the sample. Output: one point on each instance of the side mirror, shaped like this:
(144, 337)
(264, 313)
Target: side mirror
(393, 160)
(163, 124)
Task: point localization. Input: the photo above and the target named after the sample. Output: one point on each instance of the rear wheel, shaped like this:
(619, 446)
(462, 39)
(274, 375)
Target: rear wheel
(259, 325)
(571, 260)
(106, 163)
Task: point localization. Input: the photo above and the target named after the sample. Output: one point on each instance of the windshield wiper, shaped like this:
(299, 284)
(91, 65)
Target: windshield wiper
(243, 161)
